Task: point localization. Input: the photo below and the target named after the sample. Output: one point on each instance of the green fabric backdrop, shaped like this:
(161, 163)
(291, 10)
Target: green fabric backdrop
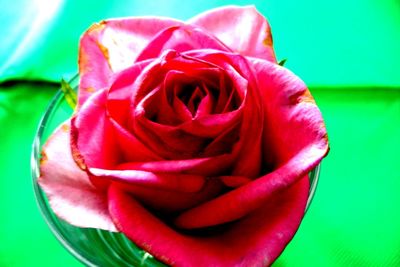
(349, 55)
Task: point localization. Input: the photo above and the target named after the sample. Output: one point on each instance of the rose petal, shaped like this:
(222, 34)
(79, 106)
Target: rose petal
(117, 109)
(170, 144)
(93, 140)
(112, 45)
(181, 39)
(133, 149)
(212, 125)
(234, 181)
(293, 124)
(169, 202)
(254, 241)
(176, 182)
(245, 199)
(205, 127)
(120, 92)
(71, 195)
(224, 143)
(243, 29)
(204, 106)
(211, 166)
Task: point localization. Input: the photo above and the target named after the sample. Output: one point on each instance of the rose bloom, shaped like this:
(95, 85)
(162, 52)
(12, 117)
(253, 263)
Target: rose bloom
(189, 138)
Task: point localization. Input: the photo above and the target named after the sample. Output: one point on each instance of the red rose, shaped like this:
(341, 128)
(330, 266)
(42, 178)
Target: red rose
(189, 138)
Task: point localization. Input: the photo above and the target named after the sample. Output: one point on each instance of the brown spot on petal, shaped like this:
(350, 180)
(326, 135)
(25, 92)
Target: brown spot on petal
(307, 97)
(267, 40)
(76, 155)
(65, 128)
(43, 158)
(301, 97)
(89, 89)
(78, 159)
(325, 136)
(83, 62)
(104, 51)
(97, 26)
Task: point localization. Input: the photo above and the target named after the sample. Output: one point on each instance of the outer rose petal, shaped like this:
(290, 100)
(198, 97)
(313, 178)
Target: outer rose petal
(112, 45)
(251, 196)
(70, 194)
(93, 139)
(294, 124)
(253, 241)
(243, 29)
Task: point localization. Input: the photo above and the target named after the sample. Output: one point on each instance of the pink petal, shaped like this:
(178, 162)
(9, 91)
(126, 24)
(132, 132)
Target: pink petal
(118, 110)
(112, 45)
(170, 144)
(121, 91)
(293, 123)
(93, 140)
(71, 195)
(243, 29)
(176, 182)
(254, 241)
(212, 125)
(132, 148)
(196, 133)
(169, 202)
(211, 166)
(181, 39)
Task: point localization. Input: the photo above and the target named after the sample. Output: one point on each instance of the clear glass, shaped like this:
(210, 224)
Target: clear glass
(93, 247)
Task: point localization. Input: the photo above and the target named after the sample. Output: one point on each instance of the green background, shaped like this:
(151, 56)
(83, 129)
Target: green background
(348, 52)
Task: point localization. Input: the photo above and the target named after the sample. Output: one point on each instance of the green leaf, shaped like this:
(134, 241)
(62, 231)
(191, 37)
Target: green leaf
(282, 62)
(69, 93)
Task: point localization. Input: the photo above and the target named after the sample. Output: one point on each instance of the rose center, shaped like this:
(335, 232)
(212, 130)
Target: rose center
(192, 95)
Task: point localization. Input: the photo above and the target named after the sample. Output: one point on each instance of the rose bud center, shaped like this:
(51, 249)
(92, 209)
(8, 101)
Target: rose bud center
(189, 108)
